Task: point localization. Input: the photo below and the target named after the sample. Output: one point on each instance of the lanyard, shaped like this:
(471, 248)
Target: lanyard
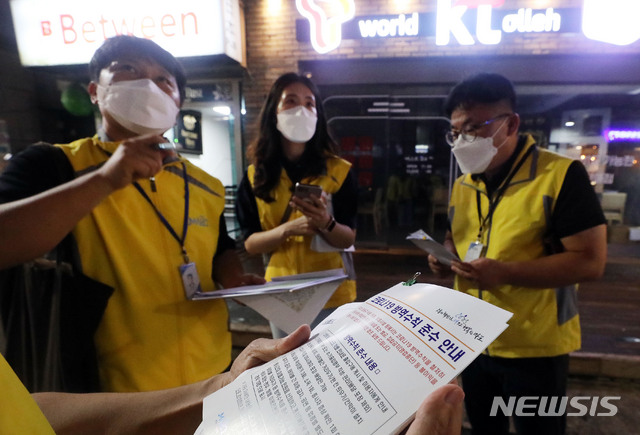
(180, 240)
(495, 199)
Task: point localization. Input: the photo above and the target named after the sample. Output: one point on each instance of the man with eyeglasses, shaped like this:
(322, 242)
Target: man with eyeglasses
(529, 227)
(141, 217)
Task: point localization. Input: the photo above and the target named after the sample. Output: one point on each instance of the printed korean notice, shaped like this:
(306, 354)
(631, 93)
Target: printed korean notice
(365, 369)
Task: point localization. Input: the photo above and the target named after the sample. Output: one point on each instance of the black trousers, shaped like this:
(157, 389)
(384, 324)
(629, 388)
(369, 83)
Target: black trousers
(488, 377)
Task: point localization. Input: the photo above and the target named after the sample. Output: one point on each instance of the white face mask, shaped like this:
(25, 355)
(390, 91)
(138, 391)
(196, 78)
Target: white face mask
(474, 157)
(139, 106)
(297, 124)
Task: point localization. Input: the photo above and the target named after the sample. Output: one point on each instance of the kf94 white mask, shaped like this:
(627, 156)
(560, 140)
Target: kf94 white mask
(475, 156)
(297, 124)
(139, 106)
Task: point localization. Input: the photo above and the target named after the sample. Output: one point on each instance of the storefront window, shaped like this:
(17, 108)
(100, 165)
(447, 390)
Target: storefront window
(394, 137)
(207, 134)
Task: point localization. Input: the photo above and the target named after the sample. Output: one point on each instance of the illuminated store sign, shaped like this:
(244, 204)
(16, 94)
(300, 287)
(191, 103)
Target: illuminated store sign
(403, 25)
(611, 21)
(467, 22)
(622, 135)
(525, 20)
(325, 19)
(65, 32)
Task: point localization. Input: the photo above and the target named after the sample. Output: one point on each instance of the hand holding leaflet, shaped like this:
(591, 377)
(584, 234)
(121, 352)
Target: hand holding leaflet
(366, 368)
(425, 242)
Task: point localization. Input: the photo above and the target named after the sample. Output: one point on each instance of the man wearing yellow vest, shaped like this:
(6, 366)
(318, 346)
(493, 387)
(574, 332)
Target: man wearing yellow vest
(143, 218)
(528, 227)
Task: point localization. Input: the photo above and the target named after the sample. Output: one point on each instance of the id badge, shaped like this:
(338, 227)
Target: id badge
(474, 252)
(190, 279)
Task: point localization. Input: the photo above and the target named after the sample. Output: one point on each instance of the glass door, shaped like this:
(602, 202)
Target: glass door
(396, 145)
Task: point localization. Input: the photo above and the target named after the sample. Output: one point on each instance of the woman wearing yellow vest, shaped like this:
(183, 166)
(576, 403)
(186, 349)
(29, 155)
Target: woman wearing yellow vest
(294, 146)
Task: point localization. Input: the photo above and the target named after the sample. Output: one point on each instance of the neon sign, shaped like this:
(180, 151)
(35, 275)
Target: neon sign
(326, 21)
(401, 26)
(613, 22)
(450, 22)
(622, 135)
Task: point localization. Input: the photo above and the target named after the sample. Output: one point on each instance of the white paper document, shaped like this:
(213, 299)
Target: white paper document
(425, 242)
(287, 301)
(365, 370)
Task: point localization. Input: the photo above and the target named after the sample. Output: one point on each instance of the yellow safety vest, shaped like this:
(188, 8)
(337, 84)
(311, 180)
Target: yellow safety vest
(19, 413)
(295, 255)
(545, 321)
(151, 337)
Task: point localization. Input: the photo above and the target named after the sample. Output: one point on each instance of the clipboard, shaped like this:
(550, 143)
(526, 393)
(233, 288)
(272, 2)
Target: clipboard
(283, 284)
(287, 301)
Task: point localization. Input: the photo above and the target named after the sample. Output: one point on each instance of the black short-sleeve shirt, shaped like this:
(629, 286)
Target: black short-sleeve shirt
(577, 207)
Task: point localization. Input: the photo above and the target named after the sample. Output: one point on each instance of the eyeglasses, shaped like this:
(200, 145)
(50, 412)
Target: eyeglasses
(470, 132)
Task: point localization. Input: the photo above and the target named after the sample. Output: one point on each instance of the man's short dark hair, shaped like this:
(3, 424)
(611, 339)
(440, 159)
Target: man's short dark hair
(120, 45)
(483, 88)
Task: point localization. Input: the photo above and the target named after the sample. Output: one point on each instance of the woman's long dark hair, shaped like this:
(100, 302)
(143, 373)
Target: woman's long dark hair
(266, 152)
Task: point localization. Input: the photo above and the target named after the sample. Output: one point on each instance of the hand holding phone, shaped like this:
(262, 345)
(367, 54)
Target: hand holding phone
(304, 191)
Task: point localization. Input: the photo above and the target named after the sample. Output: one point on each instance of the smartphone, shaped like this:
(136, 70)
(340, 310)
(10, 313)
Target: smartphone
(304, 191)
(166, 146)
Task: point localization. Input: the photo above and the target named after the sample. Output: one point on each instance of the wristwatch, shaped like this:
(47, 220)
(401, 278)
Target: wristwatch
(331, 225)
